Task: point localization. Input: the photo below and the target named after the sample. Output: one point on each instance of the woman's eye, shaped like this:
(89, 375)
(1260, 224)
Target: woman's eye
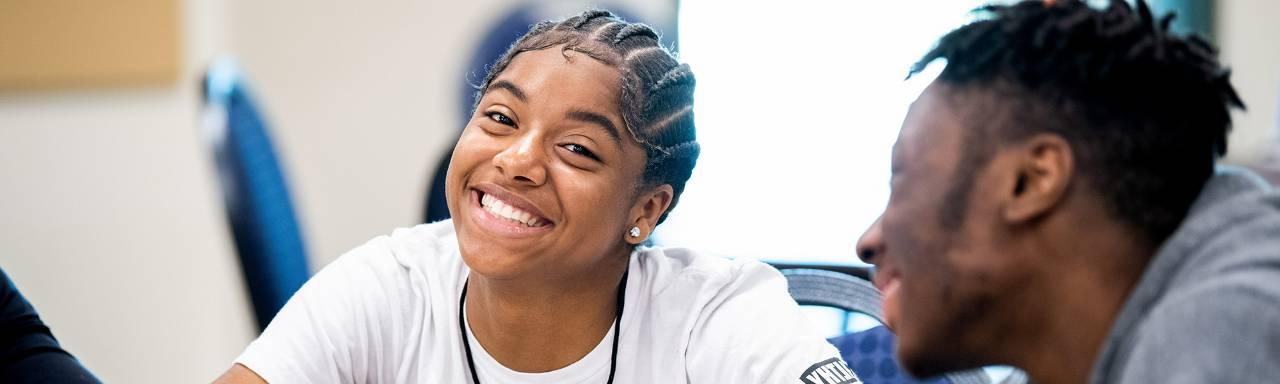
(501, 118)
(581, 150)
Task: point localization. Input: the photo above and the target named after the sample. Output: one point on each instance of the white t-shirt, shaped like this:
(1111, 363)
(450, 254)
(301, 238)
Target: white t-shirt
(387, 312)
(590, 369)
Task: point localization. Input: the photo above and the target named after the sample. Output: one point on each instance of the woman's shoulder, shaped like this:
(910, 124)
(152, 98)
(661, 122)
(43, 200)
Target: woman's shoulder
(361, 306)
(693, 269)
(393, 271)
(428, 250)
(431, 245)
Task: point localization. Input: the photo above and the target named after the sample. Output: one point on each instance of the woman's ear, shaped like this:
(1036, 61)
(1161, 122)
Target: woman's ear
(645, 212)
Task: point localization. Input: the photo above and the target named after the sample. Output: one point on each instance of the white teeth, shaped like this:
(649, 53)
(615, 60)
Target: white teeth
(503, 210)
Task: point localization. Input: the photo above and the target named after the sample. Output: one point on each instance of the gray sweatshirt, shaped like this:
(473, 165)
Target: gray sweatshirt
(1207, 308)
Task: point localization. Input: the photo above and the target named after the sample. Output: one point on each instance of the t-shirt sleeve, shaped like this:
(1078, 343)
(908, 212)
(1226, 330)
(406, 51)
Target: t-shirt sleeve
(754, 332)
(1220, 333)
(331, 329)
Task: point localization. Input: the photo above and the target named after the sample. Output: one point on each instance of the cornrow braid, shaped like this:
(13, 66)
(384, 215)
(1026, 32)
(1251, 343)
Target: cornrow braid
(635, 30)
(678, 75)
(586, 17)
(656, 97)
(1147, 113)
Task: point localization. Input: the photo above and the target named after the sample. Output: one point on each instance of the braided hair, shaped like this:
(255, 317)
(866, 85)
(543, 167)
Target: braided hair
(656, 89)
(1146, 112)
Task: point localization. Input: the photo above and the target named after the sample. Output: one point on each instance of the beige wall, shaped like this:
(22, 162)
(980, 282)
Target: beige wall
(1247, 31)
(110, 219)
(110, 222)
(361, 95)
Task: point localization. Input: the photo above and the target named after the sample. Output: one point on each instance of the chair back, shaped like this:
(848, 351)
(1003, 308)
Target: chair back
(256, 195)
(870, 353)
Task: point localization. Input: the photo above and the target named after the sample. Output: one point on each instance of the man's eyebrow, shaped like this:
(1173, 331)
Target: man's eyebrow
(597, 119)
(510, 87)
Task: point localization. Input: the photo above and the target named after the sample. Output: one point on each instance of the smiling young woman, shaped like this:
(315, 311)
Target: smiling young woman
(581, 142)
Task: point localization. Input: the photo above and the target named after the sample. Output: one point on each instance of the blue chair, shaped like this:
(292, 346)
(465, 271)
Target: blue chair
(870, 353)
(258, 207)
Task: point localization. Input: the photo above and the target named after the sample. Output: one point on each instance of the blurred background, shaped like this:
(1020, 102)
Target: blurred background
(132, 133)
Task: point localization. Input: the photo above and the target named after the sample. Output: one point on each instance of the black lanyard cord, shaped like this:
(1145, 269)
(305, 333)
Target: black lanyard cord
(617, 329)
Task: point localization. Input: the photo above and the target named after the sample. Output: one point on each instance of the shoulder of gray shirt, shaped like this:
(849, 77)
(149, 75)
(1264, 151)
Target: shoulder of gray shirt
(1230, 237)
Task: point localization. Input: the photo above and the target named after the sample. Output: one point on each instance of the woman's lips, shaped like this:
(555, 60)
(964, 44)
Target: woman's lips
(514, 200)
(506, 210)
(499, 225)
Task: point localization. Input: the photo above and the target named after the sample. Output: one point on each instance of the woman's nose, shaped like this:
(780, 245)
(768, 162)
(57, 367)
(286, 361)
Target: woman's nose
(523, 162)
(871, 244)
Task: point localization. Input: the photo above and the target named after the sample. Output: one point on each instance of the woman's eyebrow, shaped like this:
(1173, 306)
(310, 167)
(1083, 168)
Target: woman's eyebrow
(510, 87)
(597, 119)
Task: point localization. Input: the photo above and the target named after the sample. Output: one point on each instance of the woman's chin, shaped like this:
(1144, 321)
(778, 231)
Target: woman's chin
(493, 262)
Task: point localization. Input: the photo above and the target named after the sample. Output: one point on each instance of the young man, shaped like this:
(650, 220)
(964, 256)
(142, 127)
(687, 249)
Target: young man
(1056, 207)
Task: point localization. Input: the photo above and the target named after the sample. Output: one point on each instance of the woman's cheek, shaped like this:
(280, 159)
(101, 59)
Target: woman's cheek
(475, 144)
(605, 200)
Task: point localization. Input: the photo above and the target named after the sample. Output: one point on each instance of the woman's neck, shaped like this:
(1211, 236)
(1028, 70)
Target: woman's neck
(545, 324)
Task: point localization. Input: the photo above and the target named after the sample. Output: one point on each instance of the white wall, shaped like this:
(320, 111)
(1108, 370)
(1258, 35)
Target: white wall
(1247, 31)
(111, 225)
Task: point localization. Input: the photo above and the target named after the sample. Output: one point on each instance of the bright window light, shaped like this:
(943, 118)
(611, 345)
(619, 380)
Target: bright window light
(798, 105)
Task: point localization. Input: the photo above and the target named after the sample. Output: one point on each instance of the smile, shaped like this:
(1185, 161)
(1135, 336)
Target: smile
(508, 212)
(889, 282)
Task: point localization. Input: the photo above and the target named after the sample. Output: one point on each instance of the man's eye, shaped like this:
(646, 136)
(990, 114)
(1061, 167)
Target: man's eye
(501, 118)
(581, 150)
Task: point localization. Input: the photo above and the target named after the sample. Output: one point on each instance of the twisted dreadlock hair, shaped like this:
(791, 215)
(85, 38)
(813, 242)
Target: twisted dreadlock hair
(1146, 113)
(656, 93)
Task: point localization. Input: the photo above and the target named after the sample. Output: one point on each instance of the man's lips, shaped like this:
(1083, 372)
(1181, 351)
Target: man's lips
(882, 275)
(889, 283)
(889, 303)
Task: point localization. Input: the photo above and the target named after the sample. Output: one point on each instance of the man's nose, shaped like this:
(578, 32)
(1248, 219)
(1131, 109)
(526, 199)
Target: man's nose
(871, 244)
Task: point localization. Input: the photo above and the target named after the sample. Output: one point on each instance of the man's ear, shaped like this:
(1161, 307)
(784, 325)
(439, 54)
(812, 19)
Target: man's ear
(1044, 167)
(645, 212)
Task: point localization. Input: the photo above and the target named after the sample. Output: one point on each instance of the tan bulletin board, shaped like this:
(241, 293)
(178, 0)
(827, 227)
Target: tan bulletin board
(49, 44)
